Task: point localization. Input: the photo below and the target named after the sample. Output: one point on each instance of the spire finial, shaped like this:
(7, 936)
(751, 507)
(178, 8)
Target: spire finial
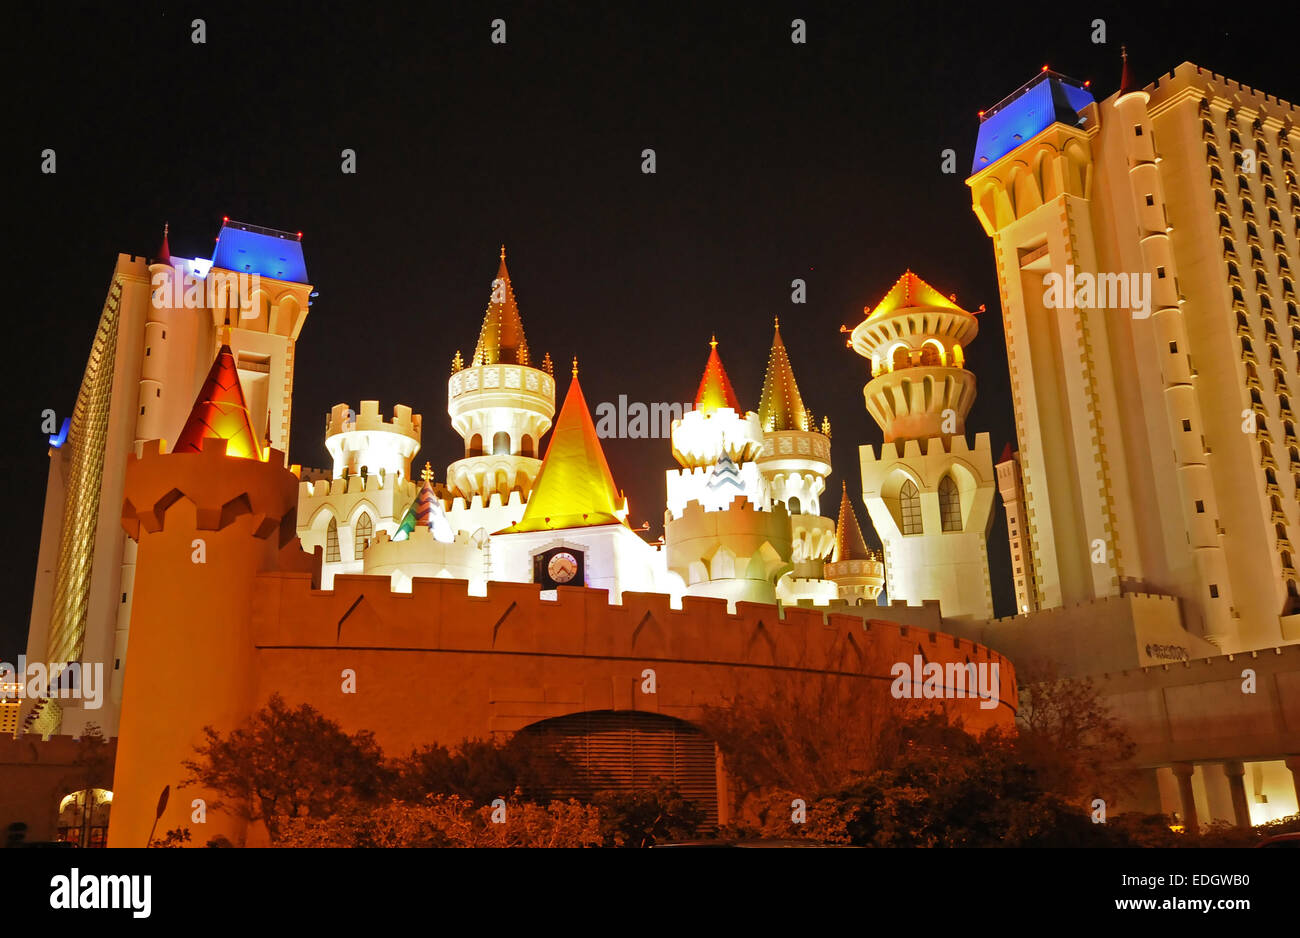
(575, 366)
(713, 342)
(503, 252)
(165, 228)
(426, 476)
(225, 334)
(776, 321)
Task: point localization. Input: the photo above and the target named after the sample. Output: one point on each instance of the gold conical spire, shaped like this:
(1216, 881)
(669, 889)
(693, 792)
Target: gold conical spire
(574, 488)
(911, 290)
(781, 407)
(501, 340)
(849, 542)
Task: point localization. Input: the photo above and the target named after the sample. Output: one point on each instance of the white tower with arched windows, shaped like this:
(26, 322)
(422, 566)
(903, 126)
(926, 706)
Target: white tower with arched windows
(501, 404)
(929, 493)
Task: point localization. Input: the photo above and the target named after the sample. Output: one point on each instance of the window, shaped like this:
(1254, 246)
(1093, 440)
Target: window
(1151, 199)
(1160, 273)
(1137, 130)
(1214, 591)
(147, 350)
(1200, 507)
(501, 444)
(930, 356)
(1173, 348)
(909, 504)
(902, 358)
(364, 531)
(332, 542)
(949, 504)
(1187, 426)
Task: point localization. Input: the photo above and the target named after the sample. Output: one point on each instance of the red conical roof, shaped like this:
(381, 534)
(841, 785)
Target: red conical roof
(220, 413)
(715, 387)
(164, 252)
(849, 542)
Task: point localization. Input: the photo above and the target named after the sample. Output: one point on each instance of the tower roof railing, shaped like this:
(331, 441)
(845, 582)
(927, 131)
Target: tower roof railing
(1043, 75)
(259, 229)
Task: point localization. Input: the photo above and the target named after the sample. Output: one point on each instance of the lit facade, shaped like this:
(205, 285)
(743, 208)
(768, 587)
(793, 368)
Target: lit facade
(1157, 429)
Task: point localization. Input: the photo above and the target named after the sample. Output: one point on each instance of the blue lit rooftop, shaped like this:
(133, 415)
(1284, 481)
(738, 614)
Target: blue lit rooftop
(265, 251)
(1048, 98)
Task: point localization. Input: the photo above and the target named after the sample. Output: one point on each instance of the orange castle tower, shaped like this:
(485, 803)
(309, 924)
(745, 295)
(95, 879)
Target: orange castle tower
(206, 519)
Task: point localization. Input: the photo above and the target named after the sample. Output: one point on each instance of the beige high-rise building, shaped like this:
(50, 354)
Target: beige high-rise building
(1146, 249)
(159, 330)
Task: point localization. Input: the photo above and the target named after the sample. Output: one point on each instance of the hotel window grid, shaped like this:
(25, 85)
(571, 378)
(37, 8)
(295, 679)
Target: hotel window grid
(909, 503)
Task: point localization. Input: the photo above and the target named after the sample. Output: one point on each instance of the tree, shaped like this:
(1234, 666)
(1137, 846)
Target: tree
(647, 816)
(287, 764)
(481, 770)
(1068, 735)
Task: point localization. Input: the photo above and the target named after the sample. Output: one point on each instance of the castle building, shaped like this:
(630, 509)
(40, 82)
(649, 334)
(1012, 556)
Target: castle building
(157, 336)
(1146, 248)
(928, 492)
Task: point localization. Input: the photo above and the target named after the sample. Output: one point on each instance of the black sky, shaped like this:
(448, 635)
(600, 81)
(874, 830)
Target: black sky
(775, 161)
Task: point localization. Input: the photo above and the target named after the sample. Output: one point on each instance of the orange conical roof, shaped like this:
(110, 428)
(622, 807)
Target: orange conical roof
(911, 290)
(781, 407)
(849, 542)
(501, 340)
(715, 387)
(574, 488)
(220, 413)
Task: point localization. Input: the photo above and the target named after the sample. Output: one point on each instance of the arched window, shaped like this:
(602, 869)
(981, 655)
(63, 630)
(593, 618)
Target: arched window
(909, 504)
(363, 532)
(83, 817)
(902, 358)
(793, 504)
(949, 504)
(475, 445)
(931, 356)
(526, 446)
(332, 542)
(501, 444)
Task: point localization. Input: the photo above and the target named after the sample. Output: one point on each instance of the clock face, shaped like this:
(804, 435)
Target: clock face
(562, 567)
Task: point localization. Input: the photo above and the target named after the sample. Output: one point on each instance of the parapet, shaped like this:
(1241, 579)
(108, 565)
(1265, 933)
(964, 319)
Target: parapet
(343, 419)
(221, 488)
(928, 448)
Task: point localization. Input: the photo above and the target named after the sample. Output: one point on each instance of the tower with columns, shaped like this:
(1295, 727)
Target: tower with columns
(929, 493)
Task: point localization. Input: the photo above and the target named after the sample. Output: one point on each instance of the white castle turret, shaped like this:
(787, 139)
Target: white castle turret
(370, 487)
(929, 494)
(501, 405)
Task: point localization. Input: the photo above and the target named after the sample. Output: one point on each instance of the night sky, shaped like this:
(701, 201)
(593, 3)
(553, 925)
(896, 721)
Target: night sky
(775, 161)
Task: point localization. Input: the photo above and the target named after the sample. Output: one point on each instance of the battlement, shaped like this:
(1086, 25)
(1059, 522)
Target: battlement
(31, 748)
(911, 449)
(343, 419)
(221, 489)
(476, 502)
(353, 484)
(1218, 667)
(1123, 599)
(738, 504)
(440, 614)
(1205, 78)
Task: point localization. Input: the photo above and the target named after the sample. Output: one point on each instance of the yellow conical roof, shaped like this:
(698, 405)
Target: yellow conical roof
(501, 340)
(781, 407)
(574, 488)
(911, 290)
(849, 542)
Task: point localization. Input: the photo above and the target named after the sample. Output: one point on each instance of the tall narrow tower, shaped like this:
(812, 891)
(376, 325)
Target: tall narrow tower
(500, 404)
(929, 494)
